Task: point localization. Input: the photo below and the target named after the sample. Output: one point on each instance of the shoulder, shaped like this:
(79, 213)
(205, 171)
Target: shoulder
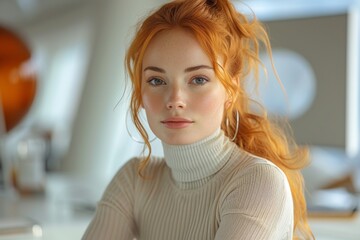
(250, 167)
(255, 177)
(131, 168)
(257, 186)
(257, 198)
(127, 178)
(263, 169)
(263, 174)
(129, 171)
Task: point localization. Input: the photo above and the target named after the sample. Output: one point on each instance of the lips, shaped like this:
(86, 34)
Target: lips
(176, 122)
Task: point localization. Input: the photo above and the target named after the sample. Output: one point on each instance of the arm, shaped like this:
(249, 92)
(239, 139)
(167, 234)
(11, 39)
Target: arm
(114, 214)
(257, 205)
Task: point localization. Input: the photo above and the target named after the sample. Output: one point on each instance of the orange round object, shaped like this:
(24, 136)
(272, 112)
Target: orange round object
(17, 80)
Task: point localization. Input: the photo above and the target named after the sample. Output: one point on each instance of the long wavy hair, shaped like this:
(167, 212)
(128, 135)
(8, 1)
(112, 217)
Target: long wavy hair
(223, 32)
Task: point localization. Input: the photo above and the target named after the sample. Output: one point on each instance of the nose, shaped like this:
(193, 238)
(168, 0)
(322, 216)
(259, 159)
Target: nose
(176, 100)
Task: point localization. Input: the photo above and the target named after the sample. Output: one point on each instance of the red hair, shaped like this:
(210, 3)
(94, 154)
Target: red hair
(227, 34)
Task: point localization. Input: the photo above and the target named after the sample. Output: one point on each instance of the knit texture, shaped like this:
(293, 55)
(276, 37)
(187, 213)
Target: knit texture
(210, 189)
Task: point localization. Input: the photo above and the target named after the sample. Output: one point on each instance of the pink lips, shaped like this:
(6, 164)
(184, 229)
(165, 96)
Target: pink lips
(176, 122)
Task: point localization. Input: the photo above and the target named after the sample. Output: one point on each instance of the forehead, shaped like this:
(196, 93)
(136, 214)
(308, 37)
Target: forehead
(176, 46)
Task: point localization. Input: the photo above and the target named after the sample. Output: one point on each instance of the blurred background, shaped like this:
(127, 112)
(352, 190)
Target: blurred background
(64, 96)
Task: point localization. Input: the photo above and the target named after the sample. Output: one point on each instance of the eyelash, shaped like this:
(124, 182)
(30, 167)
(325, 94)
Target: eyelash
(151, 81)
(203, 78)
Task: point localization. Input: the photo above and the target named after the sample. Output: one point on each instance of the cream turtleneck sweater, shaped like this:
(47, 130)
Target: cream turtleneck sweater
(207, 190)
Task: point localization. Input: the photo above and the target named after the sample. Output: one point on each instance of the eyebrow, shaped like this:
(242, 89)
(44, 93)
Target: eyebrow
(189, 69)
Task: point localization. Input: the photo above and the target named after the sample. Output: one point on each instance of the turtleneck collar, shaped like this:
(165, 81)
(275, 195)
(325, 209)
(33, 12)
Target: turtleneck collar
(198, 160)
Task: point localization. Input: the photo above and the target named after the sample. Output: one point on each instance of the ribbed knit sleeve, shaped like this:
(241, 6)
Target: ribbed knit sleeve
(257, 205)
(114, 214)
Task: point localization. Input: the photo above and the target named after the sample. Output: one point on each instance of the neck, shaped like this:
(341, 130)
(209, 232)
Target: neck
(198, 160)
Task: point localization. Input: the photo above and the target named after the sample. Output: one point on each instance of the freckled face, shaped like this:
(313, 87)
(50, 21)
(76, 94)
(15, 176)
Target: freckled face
(183, 99)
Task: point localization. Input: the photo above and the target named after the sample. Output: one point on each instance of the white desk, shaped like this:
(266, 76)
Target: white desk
(59, 211)
(338, 228)
(59, 220)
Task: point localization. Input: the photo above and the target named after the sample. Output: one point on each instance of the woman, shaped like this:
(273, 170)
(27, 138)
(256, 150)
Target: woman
(227, 172)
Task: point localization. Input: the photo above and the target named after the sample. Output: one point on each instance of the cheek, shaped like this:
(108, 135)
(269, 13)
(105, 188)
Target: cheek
(151, 102)
(211, 103)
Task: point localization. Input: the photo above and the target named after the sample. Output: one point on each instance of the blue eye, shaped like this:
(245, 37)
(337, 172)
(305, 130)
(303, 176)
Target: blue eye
(156, 82)
(199, 81)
